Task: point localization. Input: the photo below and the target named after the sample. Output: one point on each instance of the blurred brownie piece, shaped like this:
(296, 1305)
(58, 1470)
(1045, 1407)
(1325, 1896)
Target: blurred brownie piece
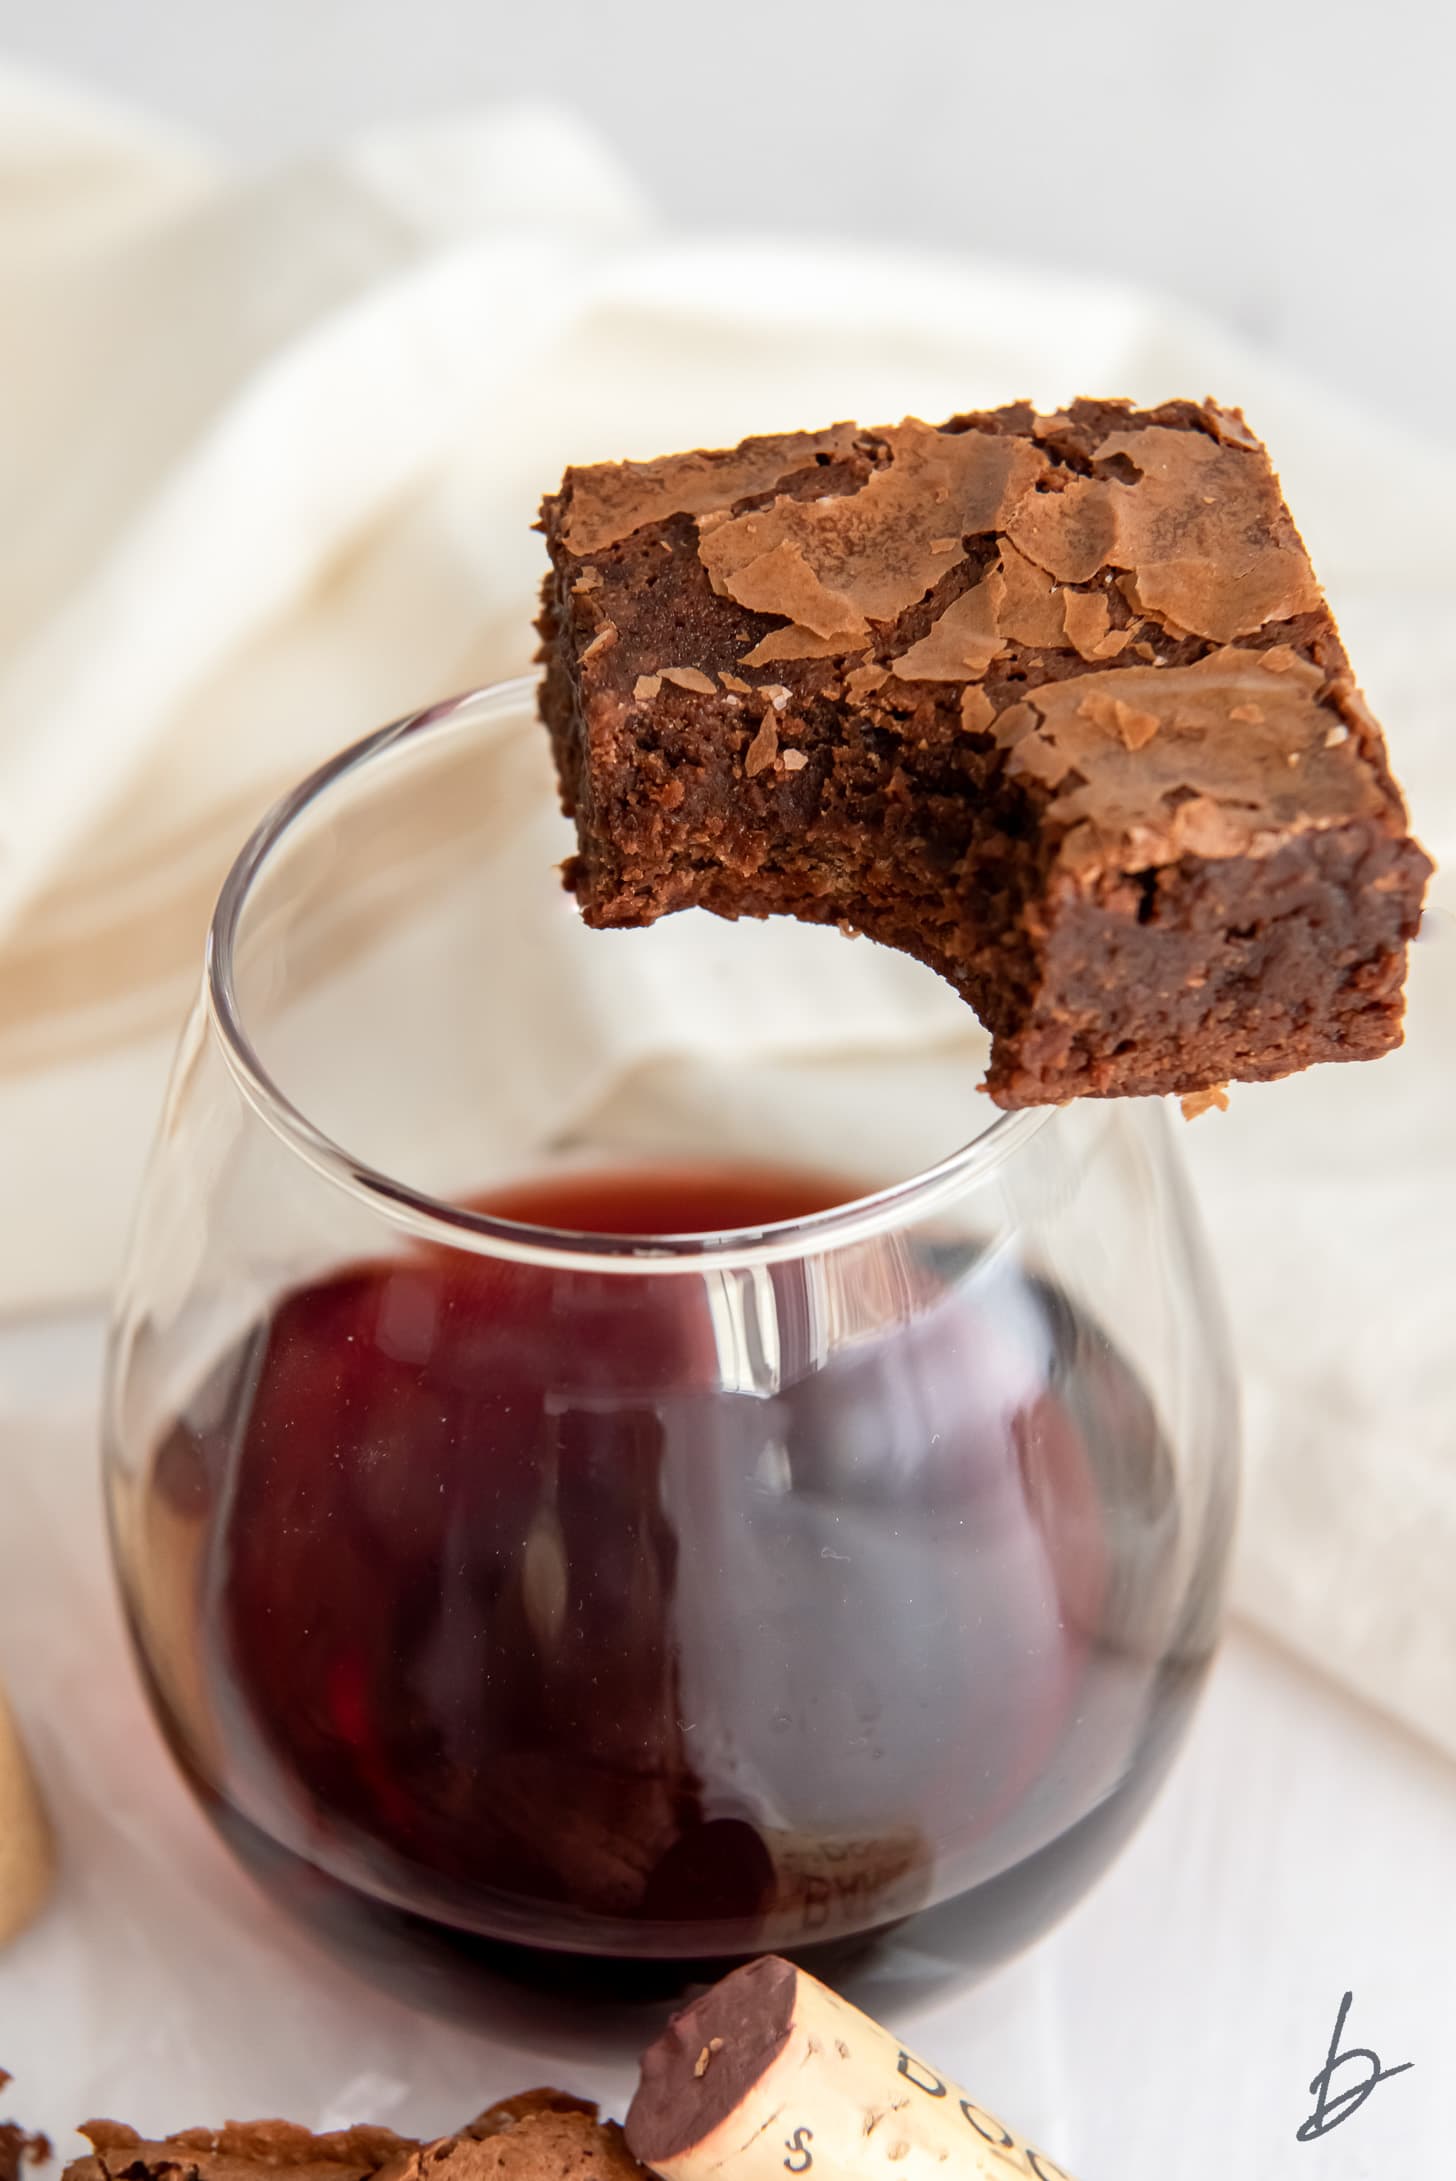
(538, 2135)
(17, 2148)
(239, 2151)
(1052, 703)
(541, 2135)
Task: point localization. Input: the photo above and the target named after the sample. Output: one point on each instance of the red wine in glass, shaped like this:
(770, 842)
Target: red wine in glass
(530, 1617)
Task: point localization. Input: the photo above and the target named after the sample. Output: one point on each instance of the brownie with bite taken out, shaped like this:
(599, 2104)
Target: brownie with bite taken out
(1052, 703)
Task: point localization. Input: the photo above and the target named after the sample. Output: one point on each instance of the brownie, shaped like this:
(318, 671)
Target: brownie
(1052, 703)
(17, 2148)
(538, 2135)
(542, 2136)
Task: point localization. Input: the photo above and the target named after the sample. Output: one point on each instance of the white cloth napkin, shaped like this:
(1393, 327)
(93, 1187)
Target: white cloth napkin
(272, 445)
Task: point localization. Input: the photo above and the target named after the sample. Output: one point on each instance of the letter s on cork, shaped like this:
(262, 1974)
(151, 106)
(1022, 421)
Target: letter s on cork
(772, 2073)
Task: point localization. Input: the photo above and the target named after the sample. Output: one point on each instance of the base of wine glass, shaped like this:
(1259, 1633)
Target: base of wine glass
(561, 2002)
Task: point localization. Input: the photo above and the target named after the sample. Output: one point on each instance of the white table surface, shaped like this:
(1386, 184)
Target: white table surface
(1168, 2031)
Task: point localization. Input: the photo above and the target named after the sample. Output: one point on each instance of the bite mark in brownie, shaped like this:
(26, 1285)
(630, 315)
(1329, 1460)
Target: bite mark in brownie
(1052, 703)
(261, 2150)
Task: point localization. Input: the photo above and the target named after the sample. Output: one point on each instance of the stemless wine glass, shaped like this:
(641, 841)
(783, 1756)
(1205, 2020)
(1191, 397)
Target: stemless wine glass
(600, 1499)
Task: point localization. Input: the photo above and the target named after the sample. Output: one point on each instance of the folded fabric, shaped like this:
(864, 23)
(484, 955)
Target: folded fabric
(273, 446)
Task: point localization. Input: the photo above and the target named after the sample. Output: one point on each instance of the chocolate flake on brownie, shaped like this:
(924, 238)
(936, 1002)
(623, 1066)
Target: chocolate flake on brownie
(1052, 703)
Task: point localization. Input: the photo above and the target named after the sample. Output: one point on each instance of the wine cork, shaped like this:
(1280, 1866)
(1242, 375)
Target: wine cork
(27, 1853)
(770, 2073)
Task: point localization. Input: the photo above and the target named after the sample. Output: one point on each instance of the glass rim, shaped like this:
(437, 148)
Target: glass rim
(437, 1219)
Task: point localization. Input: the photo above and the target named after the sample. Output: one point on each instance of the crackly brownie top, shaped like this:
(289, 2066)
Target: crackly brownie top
(238, 2151)
(538, 2135)
(1117, 600)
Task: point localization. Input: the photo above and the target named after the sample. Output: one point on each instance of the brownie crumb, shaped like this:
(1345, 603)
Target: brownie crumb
(1214, 1099)
(705, 2058)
